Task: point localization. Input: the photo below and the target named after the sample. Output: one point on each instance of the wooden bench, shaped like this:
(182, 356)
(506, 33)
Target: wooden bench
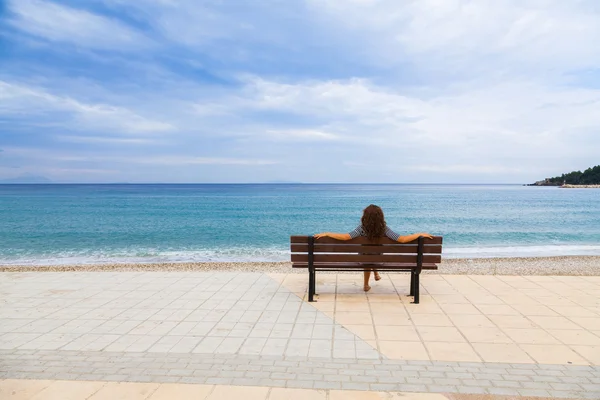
(327, 254)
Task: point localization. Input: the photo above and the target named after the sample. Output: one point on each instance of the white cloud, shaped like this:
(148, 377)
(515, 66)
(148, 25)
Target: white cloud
(482, 124)
(476, 169)
(162, 159)
(104, 139)
(26, 100)
(440, 87)
(179, 160)
(515, 34)
(60, 23)
(301, 134)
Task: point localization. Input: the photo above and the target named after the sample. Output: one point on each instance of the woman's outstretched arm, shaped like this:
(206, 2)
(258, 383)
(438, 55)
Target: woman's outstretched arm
(414, 236)
(338, 236)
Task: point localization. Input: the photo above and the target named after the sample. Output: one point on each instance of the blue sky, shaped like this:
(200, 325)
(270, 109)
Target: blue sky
(311, 91)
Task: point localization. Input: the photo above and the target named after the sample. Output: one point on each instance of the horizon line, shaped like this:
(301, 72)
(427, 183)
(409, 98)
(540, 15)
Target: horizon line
(259, 183)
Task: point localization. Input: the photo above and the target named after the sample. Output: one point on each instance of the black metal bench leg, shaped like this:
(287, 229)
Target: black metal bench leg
(412, 283)
(417, 288)
(311, 286)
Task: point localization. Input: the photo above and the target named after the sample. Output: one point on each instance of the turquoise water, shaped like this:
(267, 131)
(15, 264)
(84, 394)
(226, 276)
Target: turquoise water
(52, 224)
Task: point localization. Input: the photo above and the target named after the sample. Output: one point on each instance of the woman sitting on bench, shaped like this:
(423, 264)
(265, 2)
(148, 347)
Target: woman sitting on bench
(372, 226)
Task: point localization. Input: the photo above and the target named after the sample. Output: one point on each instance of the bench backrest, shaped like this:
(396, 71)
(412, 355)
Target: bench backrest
(362, 250)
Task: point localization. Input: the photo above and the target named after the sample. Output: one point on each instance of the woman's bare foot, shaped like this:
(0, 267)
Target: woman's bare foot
(377, 277)
(367, 288)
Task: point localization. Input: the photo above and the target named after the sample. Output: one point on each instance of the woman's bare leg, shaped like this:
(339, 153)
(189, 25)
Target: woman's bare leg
(376, 274)
(367, 276)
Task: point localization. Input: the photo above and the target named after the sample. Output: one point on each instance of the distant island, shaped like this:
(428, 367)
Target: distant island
(26, 179)
(588, 178)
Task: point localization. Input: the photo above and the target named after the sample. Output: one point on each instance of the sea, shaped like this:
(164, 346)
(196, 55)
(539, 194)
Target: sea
(48, 224)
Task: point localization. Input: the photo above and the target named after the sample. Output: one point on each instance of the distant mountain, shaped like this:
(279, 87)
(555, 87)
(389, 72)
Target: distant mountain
(590, 176)
(27, 179)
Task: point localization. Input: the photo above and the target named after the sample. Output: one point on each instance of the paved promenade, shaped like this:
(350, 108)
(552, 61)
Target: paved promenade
(499, 335)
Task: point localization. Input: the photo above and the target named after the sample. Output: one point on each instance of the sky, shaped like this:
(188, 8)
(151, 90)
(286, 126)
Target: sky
(348, 91)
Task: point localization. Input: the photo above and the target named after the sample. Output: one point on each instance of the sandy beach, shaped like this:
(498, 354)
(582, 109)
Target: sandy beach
(566, 265)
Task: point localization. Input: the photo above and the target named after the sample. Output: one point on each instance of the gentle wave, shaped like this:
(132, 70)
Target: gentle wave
(254, 254)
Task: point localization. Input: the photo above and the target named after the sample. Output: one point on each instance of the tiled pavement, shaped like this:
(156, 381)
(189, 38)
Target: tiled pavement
(514, 319)
(537, 336)
(76, 390)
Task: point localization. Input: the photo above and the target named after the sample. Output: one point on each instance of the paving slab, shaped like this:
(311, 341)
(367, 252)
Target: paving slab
(470, 335)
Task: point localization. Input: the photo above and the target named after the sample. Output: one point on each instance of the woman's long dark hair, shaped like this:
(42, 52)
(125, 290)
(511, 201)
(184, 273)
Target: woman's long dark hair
(373, 222)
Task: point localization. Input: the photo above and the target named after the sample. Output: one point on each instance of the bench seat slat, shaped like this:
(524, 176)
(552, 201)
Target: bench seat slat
(359, 240)
(365, 258)
(382, 266)
(357, 248)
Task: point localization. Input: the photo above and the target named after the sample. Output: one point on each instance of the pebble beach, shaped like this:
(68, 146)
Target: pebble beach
(567, 265)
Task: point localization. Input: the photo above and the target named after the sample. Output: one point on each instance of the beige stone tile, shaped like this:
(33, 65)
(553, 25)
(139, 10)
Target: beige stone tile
(172, 391)
(69, 390)
(530, 336)
(587, 323)
(553, 354)
(353, 289)
(390, 332)
(441, 290)
(502, 352)
(353, 318)
(440, 334)
(512, 321)
(539, 293)
(392, 319)
(278, 277)
(529, 310)
(423, 307)
(323, 305)
(590, 353)
(395, 307)
(365, 332)
(451, 299)
(21, 389)
(440, 351)
(323, 297)
(238, 392)
(488, 298)
(355, 395)
(351, 298)
(555, 301)
(125, 391)
(485, 335)
(497, 310)
(431, 320)
(512, 298)
(384, 298)
(575, 337)
(296, 394)
(403, 350)
(552, 322)
(471, 321)
(591, 300)
(577, 311)
(417, 396)
(519, 282)
(460, 280)
(351, 307)
(330, 314)
(461, 309)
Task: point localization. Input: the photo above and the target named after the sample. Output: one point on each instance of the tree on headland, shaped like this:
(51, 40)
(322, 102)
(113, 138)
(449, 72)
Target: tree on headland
(590, 176)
